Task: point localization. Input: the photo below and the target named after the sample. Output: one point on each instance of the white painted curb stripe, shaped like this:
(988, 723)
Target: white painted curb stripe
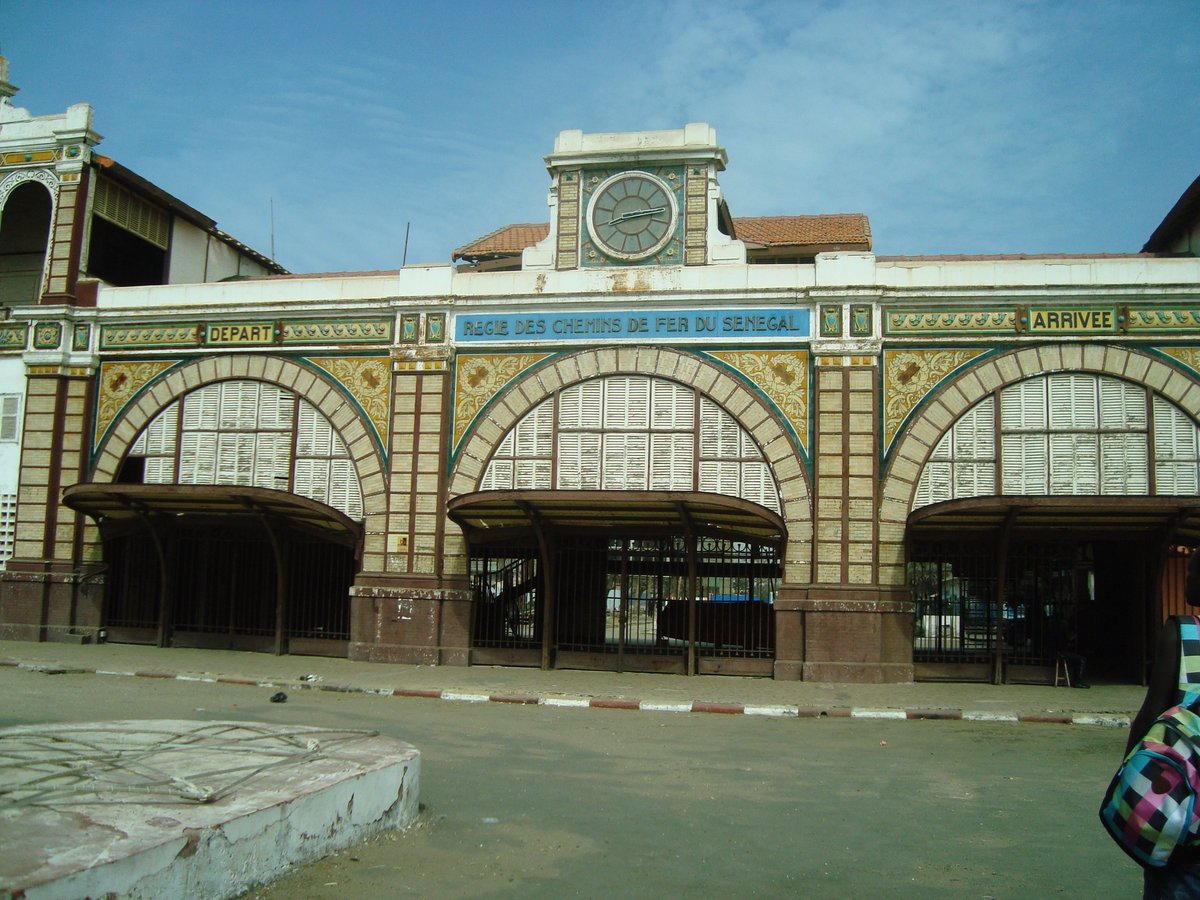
(114, 672)
(771, 710)
(878, 714)
(196, 678)
(987, 717)
(564, 701)
(466, 698)
(650, 706)
(1106, 719)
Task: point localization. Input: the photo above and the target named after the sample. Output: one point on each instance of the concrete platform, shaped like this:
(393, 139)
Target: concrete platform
(179, 808)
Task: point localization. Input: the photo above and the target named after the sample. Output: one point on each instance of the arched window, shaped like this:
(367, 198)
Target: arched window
(248, 433)
(24, 232)
(1067, 433)
(632, 433)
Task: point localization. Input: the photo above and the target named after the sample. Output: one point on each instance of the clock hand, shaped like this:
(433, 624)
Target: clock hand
(635, 214)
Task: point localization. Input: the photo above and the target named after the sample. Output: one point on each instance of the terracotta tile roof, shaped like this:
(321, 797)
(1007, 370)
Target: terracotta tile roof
(851, 230)
(773, 231)
(507, 241)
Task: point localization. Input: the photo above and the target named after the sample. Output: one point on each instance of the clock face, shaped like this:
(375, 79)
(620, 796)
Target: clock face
(632, 215)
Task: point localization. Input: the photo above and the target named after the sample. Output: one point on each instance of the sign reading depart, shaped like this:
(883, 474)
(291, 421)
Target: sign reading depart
(1072, 319)
(675, 324)
(240, 333)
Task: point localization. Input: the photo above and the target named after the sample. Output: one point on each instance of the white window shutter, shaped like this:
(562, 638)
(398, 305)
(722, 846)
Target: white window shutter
(1025, 464)
(201, 408)
(198, 457)
(314, 433)
(974, 435)
(626, 402)
(1122, 405)
(945, 448)
(499, 476)
(672, 406)
(934, 485)
(1124, 464)
(672, 462)
(1176, 449)
(578, 461)
(159, 470)
(1023, 405)
(974, 479)
(625, 462)
(1074, 464)
(345, 493)
(1072, 400)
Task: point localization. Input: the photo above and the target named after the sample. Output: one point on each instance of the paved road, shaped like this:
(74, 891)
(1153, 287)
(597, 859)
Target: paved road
(536, 801)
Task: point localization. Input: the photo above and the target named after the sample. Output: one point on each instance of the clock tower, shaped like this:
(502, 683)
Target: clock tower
(640, 198)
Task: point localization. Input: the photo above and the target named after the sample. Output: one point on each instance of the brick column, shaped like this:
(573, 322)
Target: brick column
(417, 610)
(854, 630)
(42, 596)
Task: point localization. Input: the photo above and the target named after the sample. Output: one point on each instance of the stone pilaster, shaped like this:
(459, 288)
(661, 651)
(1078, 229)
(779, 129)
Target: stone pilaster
(417, 610)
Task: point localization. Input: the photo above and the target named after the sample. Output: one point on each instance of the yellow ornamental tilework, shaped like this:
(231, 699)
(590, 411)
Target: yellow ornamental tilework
(479, 377)
(909, 375)
(332, 331)
(119, 383)
(118, 337)
(368, 380)
(1164, 319)
(1189, 356)
(780, 374)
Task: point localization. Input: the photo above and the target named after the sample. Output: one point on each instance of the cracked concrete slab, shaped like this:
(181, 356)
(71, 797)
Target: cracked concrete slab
(152, 808)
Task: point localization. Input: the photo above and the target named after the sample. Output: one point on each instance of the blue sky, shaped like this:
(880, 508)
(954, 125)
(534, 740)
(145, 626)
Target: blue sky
(959, 127)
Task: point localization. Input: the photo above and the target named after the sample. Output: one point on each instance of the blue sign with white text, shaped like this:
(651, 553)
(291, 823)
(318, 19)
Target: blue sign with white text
(655, 325)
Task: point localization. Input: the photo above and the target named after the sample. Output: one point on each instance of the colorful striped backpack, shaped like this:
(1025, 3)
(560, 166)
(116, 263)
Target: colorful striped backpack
(1151, 807)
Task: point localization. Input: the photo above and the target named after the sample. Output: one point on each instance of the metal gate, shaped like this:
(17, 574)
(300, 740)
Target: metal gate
(221, 590)
(991, 616)
(652, 603)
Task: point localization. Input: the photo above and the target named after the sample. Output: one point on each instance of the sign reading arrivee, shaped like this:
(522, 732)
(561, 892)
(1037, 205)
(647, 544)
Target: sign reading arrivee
(1072, 319)
(679, 325)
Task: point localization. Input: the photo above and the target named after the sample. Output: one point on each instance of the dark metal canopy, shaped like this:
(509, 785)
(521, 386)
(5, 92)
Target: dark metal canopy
(115, 504)
(1173, 518)
(498, 512)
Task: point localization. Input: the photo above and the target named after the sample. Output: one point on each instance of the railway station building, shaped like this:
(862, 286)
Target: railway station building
(644, 435)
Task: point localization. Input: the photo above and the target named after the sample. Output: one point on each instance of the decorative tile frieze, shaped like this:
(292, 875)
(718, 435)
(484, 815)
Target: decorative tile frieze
(155, 335)
(47, 335)
(1165, 319)
(910, 375)
(118, 384)
(782, 375)
(925, 322)
(81, 337)
(368, 380)
(148, 336)
(479, 377)
(831, 320)
(435, 328)
(338, 331)
(410, 328)
(862, 320)
(14, 335)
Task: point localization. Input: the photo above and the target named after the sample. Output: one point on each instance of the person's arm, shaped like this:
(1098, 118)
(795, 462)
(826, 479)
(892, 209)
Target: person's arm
(1164, 683)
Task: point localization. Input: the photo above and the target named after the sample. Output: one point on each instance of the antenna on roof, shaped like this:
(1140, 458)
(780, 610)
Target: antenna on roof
(404, 257)
(272, 199)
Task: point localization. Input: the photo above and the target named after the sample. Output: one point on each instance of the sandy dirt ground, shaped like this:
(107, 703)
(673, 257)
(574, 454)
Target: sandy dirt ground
(547, 802)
